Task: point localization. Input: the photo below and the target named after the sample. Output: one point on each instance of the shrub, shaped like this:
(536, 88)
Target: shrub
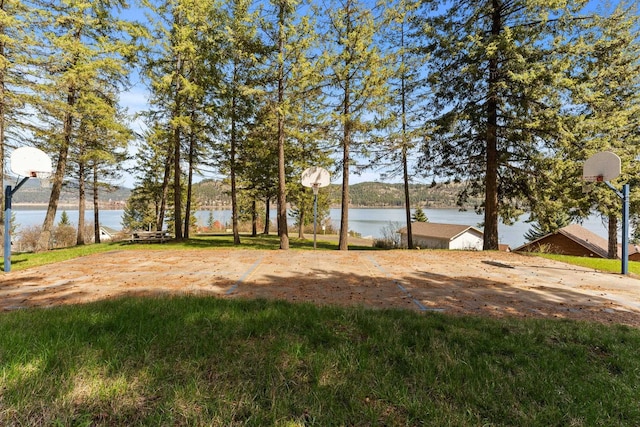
(390, 237)
(27, 239)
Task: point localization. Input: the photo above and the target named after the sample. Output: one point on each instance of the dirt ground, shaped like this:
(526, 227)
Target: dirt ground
(478, 283)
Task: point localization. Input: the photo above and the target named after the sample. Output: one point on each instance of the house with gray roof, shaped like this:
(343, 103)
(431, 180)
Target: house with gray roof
(431, 235)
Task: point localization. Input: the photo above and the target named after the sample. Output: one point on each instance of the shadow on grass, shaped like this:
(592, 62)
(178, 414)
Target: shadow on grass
(204, 361)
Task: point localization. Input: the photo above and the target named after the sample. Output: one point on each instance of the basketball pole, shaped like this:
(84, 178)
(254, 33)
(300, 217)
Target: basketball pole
(8, 194)
(316, 187)
(624, 195)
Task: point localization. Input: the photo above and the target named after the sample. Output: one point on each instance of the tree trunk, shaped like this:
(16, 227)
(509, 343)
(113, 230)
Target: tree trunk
(81, 203)
(177, 187)
(282, 188)
(96, 207)
(405, 166)
(267, 219)
(232, 166)
(44, 241)
(301, 224)
(166, 178)
(187, 208)
(491, 175)
(343, 244)
(612, 248)
(254, 218)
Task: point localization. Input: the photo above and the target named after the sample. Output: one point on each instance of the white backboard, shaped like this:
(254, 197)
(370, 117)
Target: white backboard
(30, 162)
(315, 177)
(603, 166)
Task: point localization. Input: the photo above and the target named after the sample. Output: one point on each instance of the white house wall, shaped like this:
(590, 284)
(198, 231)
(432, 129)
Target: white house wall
(467, 241)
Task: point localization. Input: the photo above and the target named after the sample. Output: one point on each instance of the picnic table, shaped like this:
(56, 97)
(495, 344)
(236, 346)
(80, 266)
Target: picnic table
(150, 236)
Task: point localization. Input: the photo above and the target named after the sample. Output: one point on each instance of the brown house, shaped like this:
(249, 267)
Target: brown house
(577, 241)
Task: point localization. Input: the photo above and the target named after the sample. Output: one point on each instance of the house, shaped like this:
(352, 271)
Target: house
(577, 241)
(107, 234)
(430, 235)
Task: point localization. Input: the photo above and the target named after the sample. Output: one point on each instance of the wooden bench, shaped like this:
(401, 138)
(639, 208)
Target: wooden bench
(150, 236)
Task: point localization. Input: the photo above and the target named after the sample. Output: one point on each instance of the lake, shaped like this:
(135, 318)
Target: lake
(369, 222)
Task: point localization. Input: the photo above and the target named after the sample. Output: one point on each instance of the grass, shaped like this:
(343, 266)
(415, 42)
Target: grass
(204, 361)
(611, 265)
(222, 241)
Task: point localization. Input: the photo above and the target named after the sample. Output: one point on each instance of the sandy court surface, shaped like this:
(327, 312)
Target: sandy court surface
(479, 283)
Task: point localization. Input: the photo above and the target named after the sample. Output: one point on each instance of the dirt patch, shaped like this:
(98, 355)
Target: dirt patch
(477, 283)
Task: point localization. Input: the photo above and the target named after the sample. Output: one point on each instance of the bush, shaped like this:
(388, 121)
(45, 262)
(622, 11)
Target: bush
(64, 236)
(27, 239)
(390, 237)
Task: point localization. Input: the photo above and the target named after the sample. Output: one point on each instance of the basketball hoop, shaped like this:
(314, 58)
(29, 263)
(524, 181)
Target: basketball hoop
(315, 177)
(45, 179)
(26, 162)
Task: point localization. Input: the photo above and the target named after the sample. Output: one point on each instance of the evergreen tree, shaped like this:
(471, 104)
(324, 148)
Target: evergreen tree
(419, 216)
(356, 85)
(497, 75)
(548, 226)
(405, 128)
(605, 112)
(89, 49)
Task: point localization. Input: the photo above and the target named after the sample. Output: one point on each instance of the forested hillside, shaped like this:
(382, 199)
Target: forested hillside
(32, 193)
(216, 193)
(366, 194)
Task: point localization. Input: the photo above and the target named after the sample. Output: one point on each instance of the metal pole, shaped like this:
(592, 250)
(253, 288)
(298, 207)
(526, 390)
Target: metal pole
(625, 229)
(8, 194)
(315, 213)
(7, 228)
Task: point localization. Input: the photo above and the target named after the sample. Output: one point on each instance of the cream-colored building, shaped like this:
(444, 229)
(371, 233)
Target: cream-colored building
(431, 235)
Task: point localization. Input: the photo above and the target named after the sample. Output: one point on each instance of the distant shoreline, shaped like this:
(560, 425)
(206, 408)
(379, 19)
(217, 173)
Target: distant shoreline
(115, 206)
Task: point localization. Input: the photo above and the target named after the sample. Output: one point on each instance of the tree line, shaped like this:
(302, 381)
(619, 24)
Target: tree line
(506, 97)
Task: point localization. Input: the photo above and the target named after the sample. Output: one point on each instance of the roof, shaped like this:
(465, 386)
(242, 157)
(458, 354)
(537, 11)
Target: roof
(110, 231)
(585, 238)
(438, 231)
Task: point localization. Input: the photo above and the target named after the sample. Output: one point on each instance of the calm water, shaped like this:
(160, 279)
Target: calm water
(368, 222)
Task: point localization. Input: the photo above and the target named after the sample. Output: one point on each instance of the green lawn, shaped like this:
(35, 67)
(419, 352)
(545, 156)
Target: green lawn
(204, 361)
(611, 265)
(222, 241)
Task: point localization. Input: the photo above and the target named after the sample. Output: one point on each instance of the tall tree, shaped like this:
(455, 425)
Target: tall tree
(356, 84)
(89, 46)
(240, 93)
(605, 108)
(405, 128)
(496, 66)
(18, 47)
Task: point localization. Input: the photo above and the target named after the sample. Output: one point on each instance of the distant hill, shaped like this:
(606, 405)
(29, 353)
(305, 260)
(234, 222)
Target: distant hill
(378, 194)
(32, 193)
(216, 193)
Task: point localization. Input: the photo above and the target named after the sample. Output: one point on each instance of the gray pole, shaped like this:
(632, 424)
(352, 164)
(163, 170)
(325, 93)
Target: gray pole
(315, 212)
(8, 194)
(624, 195)
(625, 229)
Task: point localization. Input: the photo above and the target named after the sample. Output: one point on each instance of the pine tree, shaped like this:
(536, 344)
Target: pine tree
(89, 49)
(356, 85)
(606, 109)
(419, 216)
(497, 80)
(405, 128)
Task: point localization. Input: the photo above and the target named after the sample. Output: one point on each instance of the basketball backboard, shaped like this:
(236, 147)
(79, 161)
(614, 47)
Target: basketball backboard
(315, 177)
(603, 166)
(30, 162)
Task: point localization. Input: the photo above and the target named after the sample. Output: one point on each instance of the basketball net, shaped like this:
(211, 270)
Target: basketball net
(588, 182)
(44, 177)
